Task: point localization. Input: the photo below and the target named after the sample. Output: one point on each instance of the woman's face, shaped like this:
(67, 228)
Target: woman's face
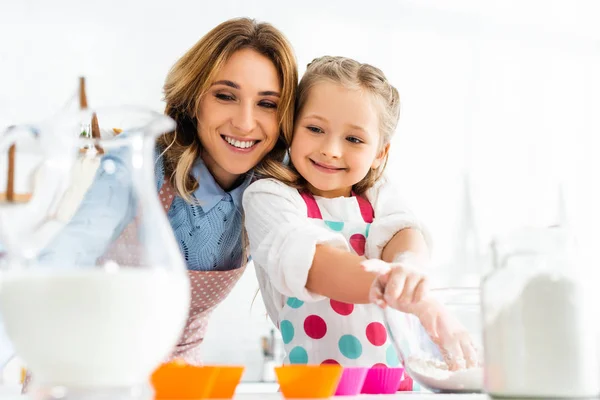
(237, 117)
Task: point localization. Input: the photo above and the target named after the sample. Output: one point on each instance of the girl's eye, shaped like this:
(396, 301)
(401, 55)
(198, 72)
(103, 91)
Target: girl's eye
(224, 97)
(353, 139)
(268, 104)
(314, 129)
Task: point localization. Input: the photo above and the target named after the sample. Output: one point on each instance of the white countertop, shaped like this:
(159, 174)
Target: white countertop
(268, 391)
(251, 392)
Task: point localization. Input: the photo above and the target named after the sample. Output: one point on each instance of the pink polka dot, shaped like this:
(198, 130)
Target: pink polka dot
(358, 242)
(341, 307)
(379, 365)
(315, 327)
(330, 362)
(376, 333)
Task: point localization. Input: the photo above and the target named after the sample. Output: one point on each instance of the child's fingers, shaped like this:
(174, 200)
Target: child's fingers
(395, 286)
(469, 351)
(410, 284)
(453, 355)
(377, 289)
(421, 290)
(376, 296)
(377, 266)
(452, 346)
(451, 349)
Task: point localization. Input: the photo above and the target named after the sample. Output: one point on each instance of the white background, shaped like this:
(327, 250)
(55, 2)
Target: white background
(504, 93)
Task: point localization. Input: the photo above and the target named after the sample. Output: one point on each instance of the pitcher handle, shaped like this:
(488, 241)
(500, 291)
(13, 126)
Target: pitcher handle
(7, 139)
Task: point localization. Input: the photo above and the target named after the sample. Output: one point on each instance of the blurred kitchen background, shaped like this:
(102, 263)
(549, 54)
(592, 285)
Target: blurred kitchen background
(500, 123)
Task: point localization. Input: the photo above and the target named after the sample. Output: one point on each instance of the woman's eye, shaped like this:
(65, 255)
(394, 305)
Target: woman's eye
(268, 104)
(314, 129)
(224, 97)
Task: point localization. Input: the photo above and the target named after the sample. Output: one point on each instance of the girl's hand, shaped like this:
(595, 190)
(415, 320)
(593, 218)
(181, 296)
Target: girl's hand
(446, 331)
(397, 285)
(406, 289)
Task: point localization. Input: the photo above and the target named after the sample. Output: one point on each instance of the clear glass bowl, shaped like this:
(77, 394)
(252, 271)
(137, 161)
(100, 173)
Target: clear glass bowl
(422, 358)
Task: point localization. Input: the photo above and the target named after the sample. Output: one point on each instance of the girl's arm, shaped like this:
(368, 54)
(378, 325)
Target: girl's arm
(407, 241)
(301, 259)
(347, 282)
(284, 241)
(396, 235)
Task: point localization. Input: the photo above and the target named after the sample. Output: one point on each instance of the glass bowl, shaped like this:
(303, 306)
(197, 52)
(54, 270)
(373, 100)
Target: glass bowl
(423, 360)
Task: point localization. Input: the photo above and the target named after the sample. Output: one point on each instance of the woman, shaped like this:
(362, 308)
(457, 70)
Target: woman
(232, 97)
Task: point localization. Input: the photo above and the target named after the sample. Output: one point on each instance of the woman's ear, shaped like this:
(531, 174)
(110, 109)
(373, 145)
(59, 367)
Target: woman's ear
(380, 157)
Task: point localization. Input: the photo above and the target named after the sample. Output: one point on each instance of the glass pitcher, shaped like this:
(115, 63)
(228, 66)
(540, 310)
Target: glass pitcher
(94, 291)
(539, 318)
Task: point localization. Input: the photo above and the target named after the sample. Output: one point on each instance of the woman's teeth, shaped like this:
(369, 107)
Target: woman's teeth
(239, 144)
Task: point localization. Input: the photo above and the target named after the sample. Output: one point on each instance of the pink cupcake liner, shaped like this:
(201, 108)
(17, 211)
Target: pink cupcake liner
(352, 381)
(382, 380)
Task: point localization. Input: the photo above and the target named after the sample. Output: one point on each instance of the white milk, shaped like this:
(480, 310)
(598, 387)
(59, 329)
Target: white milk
(91, 327)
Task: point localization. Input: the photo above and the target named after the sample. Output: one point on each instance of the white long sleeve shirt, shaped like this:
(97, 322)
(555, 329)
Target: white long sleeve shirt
(283, 239)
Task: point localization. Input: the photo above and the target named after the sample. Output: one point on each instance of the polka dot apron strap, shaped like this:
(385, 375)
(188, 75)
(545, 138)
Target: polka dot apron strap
(312, 208)
(311, 205)
(166, 195)
(366, 209)
(123, 249)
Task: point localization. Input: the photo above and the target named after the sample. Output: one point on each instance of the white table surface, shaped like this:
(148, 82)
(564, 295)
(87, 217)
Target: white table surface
(251, 392)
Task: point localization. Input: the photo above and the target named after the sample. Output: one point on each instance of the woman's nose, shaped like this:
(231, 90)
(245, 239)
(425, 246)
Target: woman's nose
(244, 119)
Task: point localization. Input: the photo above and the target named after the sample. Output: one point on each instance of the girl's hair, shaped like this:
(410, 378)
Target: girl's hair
(352, 75)
(191, 77)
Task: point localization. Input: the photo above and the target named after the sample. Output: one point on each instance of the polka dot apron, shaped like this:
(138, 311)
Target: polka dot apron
(333, 332)
(209, 289)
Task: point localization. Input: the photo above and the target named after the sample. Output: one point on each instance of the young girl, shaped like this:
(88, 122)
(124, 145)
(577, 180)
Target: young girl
(314, 222)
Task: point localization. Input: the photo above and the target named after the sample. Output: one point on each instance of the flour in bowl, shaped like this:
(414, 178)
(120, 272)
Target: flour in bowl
(435, 375)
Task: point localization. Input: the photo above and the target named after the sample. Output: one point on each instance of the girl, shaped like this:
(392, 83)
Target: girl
(314, 222)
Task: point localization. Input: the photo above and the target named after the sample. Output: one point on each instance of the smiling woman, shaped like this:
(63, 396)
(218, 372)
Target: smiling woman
(232, 96)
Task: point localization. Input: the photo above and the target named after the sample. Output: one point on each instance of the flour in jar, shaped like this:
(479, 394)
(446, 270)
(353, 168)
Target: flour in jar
(541, 341)
(435, 375)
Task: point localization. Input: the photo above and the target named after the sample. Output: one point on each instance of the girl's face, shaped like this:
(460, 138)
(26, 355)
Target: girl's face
(237, 117)
(336, 139)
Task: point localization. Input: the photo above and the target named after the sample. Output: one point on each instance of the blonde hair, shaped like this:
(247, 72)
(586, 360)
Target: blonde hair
(190, 78)
(352, 75)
